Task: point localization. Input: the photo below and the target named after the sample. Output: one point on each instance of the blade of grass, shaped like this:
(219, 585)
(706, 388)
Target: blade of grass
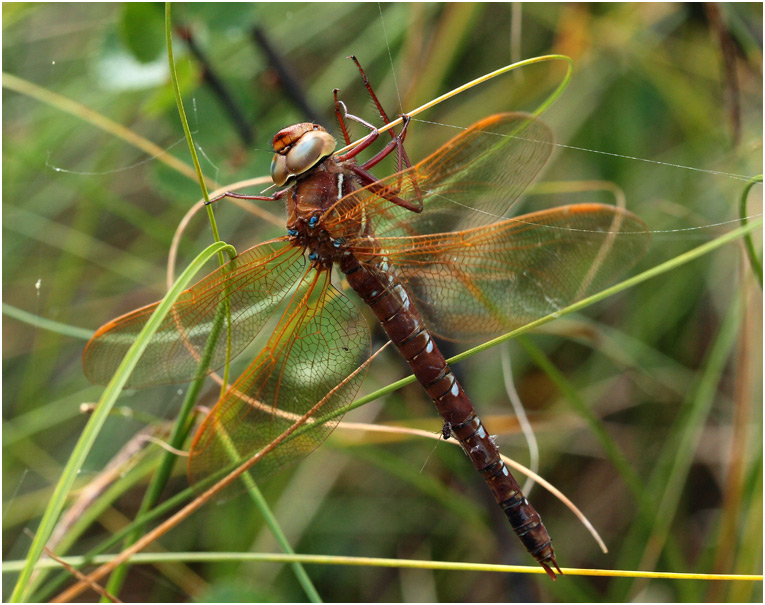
(751, 252)
(433, 488)
(614, 453)
(21, 86)
(268, 516)
(745, 380)
(46, 324)
(132, 478)
(671, 469)
(749, 551)
(97, 419)
(155, 513)
(11, 566)
(687, 434)
(185, 123)
(24, 87)
(257, 497)
(453, 29)
(181, 428)
(46, 416)
(609, 445)
(51, 233)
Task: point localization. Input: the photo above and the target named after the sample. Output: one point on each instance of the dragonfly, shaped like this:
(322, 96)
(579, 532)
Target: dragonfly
(432, 250)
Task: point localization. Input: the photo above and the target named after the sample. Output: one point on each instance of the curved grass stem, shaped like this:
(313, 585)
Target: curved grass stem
(754, 260)
(97, 419)
(151, 558)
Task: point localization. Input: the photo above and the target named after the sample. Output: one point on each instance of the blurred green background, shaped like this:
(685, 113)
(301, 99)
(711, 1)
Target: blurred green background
(671, 369)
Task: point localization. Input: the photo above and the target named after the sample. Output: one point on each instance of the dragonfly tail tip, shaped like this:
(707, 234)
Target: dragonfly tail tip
(549, 570)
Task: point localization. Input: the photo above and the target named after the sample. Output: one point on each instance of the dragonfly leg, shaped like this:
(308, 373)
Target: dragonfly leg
(388, 191)
(371, 91)
(366, 141)
(241, 196)
(341, 117)
(403, 159)
(397, 143)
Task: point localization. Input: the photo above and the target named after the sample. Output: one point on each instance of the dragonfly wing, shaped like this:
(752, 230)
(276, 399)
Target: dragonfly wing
(471, 180)
(306, 373)
(251, 285)
(481, 282)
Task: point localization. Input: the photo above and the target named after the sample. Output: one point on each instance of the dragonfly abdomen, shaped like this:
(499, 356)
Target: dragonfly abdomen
(390, 303)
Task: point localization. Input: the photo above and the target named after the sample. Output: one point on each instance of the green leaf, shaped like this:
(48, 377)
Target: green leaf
(141, 30)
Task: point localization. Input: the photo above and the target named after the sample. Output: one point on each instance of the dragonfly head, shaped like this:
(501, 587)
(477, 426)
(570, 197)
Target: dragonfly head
(298, 148)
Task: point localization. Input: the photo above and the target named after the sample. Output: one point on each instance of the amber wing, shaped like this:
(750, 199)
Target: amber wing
(307, 373)
(252, 284)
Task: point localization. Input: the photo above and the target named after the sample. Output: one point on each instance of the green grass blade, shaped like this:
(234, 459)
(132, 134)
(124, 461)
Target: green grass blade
(181, 428)
(46, 324)
(609, 444)
(751, 252)
(97, 419)
(128, 481)
(297, 567)
(185, 122)
(682, 444)
(673, 465)
(33, 91)
(222, 557)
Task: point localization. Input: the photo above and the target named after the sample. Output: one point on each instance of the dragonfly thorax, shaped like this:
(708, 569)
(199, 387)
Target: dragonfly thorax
(309, 201)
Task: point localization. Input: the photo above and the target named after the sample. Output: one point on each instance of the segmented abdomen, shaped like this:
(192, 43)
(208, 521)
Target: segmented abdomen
(391, 304)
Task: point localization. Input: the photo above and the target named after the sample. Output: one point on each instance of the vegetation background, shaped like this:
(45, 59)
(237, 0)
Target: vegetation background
(670, 370)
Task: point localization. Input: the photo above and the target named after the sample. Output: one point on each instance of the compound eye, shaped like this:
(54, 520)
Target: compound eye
(279, 172)
(310, 148)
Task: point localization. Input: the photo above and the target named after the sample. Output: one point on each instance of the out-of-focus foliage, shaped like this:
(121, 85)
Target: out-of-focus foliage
(88, 220)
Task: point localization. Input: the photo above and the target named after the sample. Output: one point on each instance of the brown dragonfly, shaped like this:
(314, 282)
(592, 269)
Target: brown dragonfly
(430, 249)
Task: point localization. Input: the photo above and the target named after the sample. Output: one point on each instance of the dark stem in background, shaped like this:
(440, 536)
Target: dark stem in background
(728, 54)
(245, 131)
(287, 77)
